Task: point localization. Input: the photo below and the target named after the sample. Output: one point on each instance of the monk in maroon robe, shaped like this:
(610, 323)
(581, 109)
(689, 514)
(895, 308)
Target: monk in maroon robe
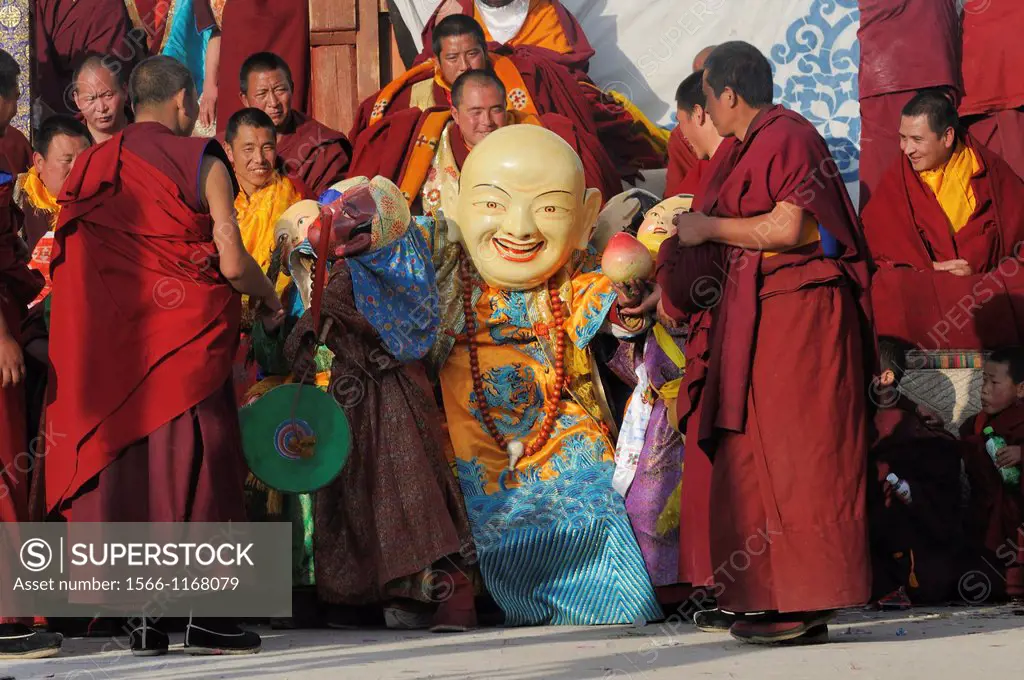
(946, 234)
(145, 315)
(679, 276)
(546, 83)
(916, 540)
(308, 151)
(893, 69)
(682, 159)
(252, 26)
(993, 103)
(65, 32)
(995, 514)
(389, 148)
(15, 151)
(786, 428)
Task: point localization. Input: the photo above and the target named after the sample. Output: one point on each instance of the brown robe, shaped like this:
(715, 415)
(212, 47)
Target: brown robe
(396, 509)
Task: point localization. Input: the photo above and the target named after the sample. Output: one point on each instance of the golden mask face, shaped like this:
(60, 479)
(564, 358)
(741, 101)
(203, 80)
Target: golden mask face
(522, 207)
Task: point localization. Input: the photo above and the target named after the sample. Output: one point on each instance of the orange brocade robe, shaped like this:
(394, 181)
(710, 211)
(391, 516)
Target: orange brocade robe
(553, 536)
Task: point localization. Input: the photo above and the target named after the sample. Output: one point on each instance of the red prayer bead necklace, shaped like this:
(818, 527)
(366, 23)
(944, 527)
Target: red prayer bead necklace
(551, 409)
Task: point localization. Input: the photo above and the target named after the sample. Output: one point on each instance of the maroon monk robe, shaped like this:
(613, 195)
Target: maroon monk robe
(577, 60)
(144, 324)
(67, 31)
(907, 231)
(313, 153)
(916, 546)
(787, 427)
(15, 151)
(893, 67)
(250, 26)
(993, 83)
(995, 514)
(681, 161)
(690, 283)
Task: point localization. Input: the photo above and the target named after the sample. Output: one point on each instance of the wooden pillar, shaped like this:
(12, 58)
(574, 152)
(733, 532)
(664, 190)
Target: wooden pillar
(345, 58)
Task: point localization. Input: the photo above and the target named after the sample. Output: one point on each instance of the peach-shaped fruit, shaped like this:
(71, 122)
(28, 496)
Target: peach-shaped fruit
(626, 259)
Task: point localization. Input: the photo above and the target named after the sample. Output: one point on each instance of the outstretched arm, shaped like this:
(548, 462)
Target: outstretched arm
(236, 264)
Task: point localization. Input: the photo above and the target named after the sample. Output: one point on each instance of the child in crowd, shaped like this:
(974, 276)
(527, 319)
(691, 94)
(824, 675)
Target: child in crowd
(993, 523)
(914, 498)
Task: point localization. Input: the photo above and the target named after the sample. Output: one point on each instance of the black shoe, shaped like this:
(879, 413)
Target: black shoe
(21, 642)
(148, 641)
(227, 639)
(713, 621)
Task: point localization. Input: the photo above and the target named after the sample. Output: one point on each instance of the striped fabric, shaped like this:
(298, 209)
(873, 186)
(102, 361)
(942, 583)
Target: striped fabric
(561, 552)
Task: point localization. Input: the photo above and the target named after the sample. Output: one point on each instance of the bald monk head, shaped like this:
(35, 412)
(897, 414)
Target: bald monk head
(100, 93)
(9, 90)
(928, 130)
(252, 148)
(694, 121)
(265, 83)
(702, 56)
(738, 86)
(478, 105)
(522, 207)
(162, 91)
(459, 46)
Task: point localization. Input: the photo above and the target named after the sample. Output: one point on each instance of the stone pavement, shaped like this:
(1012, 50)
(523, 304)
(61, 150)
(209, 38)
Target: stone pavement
(953, 642)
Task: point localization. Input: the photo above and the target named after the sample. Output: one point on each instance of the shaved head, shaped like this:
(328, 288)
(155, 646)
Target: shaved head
(702, 56)
(157, 80)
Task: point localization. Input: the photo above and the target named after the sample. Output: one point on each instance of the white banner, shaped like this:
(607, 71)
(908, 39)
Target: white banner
(646, 47)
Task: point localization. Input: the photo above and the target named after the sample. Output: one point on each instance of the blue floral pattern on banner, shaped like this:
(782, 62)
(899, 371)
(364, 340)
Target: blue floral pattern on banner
(823, 47)
(15, 25)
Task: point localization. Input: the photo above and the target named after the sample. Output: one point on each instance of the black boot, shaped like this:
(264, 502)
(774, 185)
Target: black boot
(145, 640)
(18, 641)
(219, 636)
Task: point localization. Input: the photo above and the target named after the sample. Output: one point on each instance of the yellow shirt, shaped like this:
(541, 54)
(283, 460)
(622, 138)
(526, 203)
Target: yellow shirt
(257, 215)
(951, 185)
(541, 29)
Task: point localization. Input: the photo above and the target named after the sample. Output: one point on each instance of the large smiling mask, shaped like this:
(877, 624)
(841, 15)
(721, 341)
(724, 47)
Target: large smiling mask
(522, 207)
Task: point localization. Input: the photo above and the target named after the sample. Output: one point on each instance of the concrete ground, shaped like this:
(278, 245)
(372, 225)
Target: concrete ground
(961, 643)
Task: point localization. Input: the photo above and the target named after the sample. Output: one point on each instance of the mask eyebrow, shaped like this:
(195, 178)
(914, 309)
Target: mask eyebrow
(556, 191)
(492, 186)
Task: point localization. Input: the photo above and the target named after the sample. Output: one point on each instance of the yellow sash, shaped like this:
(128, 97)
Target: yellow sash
(257, 215)
(669, 390)
(542, 28)
(951, 185)
(37, 194)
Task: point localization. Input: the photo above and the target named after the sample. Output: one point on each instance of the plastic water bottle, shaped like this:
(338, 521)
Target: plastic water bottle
(900, 486)
(993, 445)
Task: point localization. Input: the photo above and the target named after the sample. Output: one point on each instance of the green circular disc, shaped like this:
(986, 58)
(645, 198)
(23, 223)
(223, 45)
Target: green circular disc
(276, 425)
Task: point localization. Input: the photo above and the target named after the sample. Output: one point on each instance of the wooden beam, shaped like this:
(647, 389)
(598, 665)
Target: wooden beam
(333, 15)
(368, 49)
(323, 38)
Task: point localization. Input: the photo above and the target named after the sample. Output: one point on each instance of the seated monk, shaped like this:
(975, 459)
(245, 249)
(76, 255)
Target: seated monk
(916, 540)
(520, 23)
(535, 83)
(308, 151)
(58, 143)
(544, 29)
(263, 196)
(994, 529)
(681, 157)
(944, 227)
(419, 150)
